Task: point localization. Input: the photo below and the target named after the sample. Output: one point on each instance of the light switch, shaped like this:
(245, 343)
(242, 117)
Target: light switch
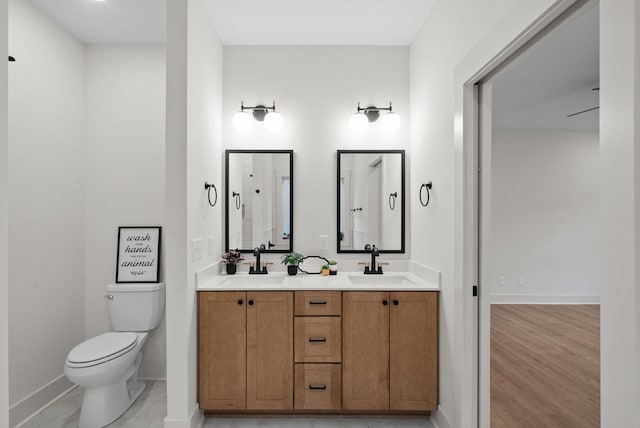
(324, 242)
(197, 249)
(502, 280)
(522, 281)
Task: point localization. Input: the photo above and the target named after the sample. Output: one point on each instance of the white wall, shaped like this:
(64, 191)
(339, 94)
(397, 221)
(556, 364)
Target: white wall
(124, 180)
(545, 214)
(4, 223)
(86, 154)
(447, 36)
(619, 190)
(46, 206)
(193, 156)
(316, 88)
(504, 24)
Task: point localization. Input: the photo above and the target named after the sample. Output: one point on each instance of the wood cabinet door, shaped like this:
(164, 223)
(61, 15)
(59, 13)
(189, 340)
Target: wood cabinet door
(269, 350)
(413, 373)
(222, 350)
(365, 350)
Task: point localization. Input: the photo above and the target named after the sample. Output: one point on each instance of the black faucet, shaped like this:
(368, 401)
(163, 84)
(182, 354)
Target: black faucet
(258, 270)
(372, 269)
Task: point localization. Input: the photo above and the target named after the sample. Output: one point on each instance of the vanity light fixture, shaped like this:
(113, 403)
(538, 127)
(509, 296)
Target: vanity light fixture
(363, 116)
(273, 120)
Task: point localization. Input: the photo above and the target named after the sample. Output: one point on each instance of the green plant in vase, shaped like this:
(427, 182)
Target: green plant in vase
(292, 260)
(333, 267)
(325, 270)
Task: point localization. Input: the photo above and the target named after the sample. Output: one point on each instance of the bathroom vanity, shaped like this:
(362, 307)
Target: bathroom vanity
(350, 343)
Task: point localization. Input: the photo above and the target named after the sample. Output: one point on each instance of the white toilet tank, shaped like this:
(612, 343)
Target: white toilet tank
(136, 306)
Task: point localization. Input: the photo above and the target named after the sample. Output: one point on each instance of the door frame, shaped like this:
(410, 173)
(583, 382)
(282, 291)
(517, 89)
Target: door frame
(471, 333)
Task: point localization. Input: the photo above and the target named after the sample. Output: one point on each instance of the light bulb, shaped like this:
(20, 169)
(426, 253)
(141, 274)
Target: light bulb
(358, 122)
(241, 121)
(390, 122)
(273, 121)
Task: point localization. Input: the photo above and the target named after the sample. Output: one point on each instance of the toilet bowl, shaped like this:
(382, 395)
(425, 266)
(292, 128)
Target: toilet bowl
(107, 365)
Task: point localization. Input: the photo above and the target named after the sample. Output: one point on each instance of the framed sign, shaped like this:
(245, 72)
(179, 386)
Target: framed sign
(138, 254)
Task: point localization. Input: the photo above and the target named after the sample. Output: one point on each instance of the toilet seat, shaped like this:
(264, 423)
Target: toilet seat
(100, 349)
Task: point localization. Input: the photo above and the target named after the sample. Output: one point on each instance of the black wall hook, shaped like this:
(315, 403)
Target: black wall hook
(208, 188)
(392, 200)
(11, 59)
(236, 196)
(428, 186)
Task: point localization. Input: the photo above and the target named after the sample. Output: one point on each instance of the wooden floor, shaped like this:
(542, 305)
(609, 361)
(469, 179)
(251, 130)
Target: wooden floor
(545, 366)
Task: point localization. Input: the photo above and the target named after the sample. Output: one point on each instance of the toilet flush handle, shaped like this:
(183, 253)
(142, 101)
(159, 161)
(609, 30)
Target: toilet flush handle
(108, 296)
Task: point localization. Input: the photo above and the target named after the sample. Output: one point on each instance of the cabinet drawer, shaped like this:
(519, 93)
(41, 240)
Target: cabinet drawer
(318, 340)
(318, 303)
(318, 386)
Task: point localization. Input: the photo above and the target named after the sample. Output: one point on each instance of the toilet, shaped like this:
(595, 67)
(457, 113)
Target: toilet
(107, 365)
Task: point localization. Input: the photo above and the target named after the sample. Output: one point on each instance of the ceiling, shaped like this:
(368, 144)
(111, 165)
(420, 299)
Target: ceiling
(109, 21)
(248, 22)
(552, 79)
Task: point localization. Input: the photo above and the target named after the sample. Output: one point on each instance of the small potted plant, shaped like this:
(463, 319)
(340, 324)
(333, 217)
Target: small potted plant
(292, 260)
(231, 259)
(325, 270)
(333, 267)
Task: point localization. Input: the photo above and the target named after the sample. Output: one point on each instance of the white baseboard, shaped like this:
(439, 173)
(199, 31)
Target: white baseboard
(152, 379)
(195, 421)
(34, 403)
(545, 299)
(439, 419)
(425, 272)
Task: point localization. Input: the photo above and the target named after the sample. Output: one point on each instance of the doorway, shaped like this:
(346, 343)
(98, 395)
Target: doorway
(538, 223)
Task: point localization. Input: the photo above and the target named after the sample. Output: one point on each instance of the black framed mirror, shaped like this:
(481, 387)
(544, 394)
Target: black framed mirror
(259, 200)
(371, 200)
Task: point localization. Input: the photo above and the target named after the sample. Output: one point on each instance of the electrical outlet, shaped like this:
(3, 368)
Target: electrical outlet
(197, 249)
(324, 242)
(522, 281)
(210, 246)
(502, 280)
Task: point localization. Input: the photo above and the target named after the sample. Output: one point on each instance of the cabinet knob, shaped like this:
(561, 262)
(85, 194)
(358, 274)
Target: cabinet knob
(250, 302)
(240, 301)
(385, 302)
(395, 302)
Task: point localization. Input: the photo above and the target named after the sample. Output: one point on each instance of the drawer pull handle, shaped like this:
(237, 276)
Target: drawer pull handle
(395, 302)
(320, 302)
(250, 302)
(385, 302)
(317, 339)
(240, 302)
(317, 387)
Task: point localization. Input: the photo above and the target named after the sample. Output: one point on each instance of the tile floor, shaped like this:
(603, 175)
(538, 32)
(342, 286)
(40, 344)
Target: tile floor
(150, 409)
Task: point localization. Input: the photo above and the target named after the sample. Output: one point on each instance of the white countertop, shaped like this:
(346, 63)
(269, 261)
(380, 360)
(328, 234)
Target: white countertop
(343, 281)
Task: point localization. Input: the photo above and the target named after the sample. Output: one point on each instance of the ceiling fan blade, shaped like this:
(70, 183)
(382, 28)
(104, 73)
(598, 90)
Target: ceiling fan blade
(583, 111)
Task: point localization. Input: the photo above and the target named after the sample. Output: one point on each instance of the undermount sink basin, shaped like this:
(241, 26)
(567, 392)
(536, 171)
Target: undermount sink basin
(250, 280)
(380, 280)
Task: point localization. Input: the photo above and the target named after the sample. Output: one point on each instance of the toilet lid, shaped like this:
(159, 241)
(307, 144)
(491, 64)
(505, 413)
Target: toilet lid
(107, 346)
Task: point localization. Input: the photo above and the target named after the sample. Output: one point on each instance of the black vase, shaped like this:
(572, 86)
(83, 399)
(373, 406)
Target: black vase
(231, 269)
(292, 269)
